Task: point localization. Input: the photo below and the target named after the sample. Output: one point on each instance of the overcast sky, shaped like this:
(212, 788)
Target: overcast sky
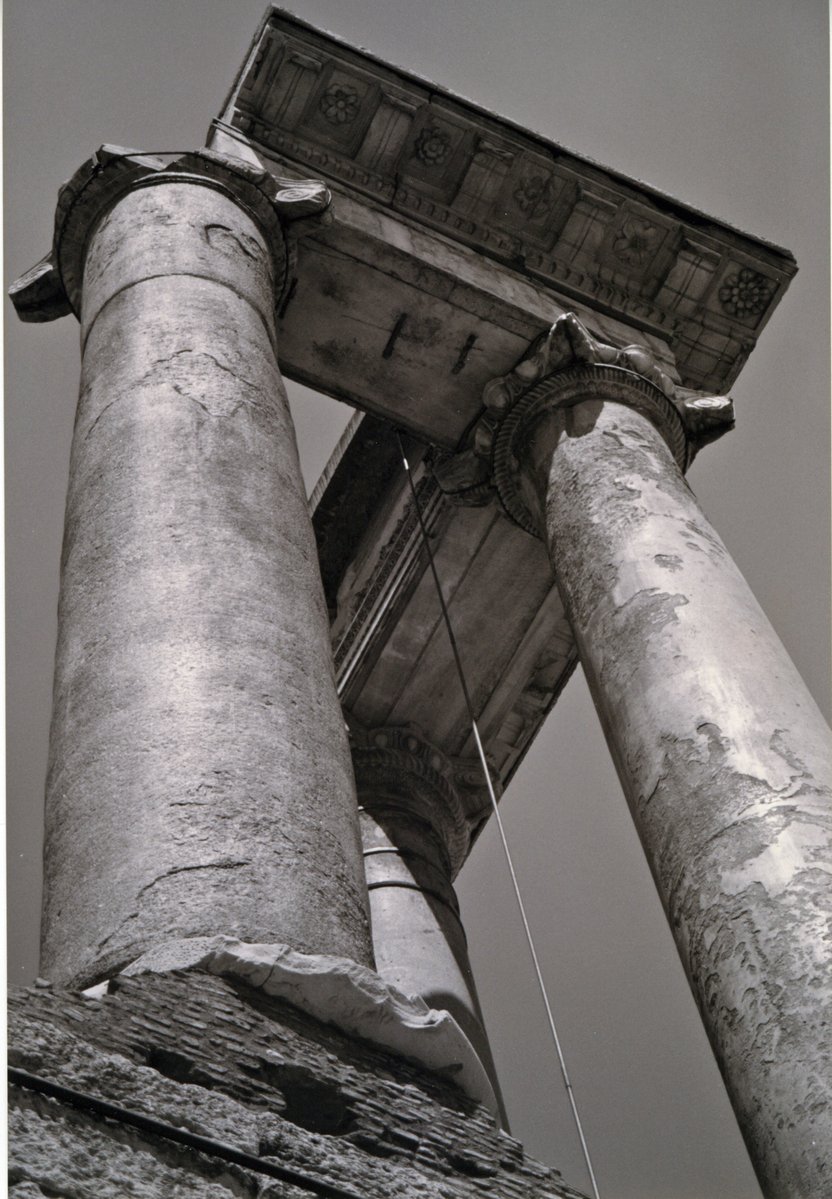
(721, 103)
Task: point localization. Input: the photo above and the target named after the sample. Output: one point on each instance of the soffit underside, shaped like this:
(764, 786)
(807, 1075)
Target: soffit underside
(393, 659)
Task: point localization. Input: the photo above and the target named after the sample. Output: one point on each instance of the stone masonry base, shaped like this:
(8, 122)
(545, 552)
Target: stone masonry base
(219, 1059)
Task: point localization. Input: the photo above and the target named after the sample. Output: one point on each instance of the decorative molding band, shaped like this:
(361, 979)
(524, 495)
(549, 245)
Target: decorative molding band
(563, 390)
(401, 562)
(397, 768)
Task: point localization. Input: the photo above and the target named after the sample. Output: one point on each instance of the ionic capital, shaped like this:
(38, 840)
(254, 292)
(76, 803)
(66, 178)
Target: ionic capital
(563, 367)
(398, 771)
(52, 288)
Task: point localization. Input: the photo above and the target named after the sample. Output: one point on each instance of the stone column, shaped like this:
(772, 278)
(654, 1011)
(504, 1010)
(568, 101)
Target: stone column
(200, 779)
(416, 838)
(722, 754)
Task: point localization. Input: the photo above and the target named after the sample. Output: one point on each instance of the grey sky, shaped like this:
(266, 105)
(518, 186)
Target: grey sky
(721, 103)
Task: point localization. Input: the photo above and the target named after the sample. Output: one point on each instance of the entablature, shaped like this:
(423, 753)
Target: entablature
(581, 235)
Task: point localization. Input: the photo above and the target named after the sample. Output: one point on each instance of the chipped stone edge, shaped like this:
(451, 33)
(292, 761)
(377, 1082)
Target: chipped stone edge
(335, 991)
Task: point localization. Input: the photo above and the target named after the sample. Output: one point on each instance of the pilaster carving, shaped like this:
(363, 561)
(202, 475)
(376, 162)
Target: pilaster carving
(52, 288)
(561, 367)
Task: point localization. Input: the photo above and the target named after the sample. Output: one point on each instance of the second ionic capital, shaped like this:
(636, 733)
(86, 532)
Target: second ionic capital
(401, 773)
(564, 367)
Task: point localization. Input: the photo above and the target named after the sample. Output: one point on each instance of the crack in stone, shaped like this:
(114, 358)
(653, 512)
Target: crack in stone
(221, 865)
(222, 366)
(219, 236)
(104, 410)
(149, 376)
(111, 936)
(646, 800)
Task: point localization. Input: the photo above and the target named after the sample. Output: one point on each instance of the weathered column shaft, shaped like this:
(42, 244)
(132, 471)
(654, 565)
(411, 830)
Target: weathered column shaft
(722, 754)
(200, 779)
(415, 838)
(418, 939)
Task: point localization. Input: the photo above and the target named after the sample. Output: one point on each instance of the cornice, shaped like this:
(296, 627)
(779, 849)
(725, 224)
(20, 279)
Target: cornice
(538, 208)
(562, 367)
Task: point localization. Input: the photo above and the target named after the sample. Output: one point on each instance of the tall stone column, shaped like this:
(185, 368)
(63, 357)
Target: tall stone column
(416, 837)
(200, 779)
(721, 751)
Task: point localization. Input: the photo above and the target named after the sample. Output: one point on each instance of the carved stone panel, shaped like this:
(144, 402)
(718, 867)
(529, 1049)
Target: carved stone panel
(537, 196)
(744, 293)
(640, 245)
(339, 109)
(436, 153)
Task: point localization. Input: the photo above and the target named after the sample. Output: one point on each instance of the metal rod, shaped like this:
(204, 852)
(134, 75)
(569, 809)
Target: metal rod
(487, 773)
(192, 1140)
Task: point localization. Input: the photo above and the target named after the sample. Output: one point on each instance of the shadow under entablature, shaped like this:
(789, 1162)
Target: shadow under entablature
(394, 665)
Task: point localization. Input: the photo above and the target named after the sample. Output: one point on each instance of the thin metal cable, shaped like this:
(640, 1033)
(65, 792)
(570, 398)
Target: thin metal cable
(487, 773)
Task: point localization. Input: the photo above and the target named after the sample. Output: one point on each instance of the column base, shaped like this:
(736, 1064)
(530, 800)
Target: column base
(264, 1085)
(336, 991)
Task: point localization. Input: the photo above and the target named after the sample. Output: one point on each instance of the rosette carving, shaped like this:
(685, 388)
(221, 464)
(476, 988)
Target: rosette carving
(533, 195)
(340, 105)
(432, 146)
(746, 293)
(636, 241)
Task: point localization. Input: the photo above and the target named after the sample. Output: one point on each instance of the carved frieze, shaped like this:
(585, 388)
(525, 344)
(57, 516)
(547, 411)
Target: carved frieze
(601, 238)
(437, 153)
(635, 241)
(432, 147)
(640, 245)
(537, 198)
(340, 105)
(339, 109)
